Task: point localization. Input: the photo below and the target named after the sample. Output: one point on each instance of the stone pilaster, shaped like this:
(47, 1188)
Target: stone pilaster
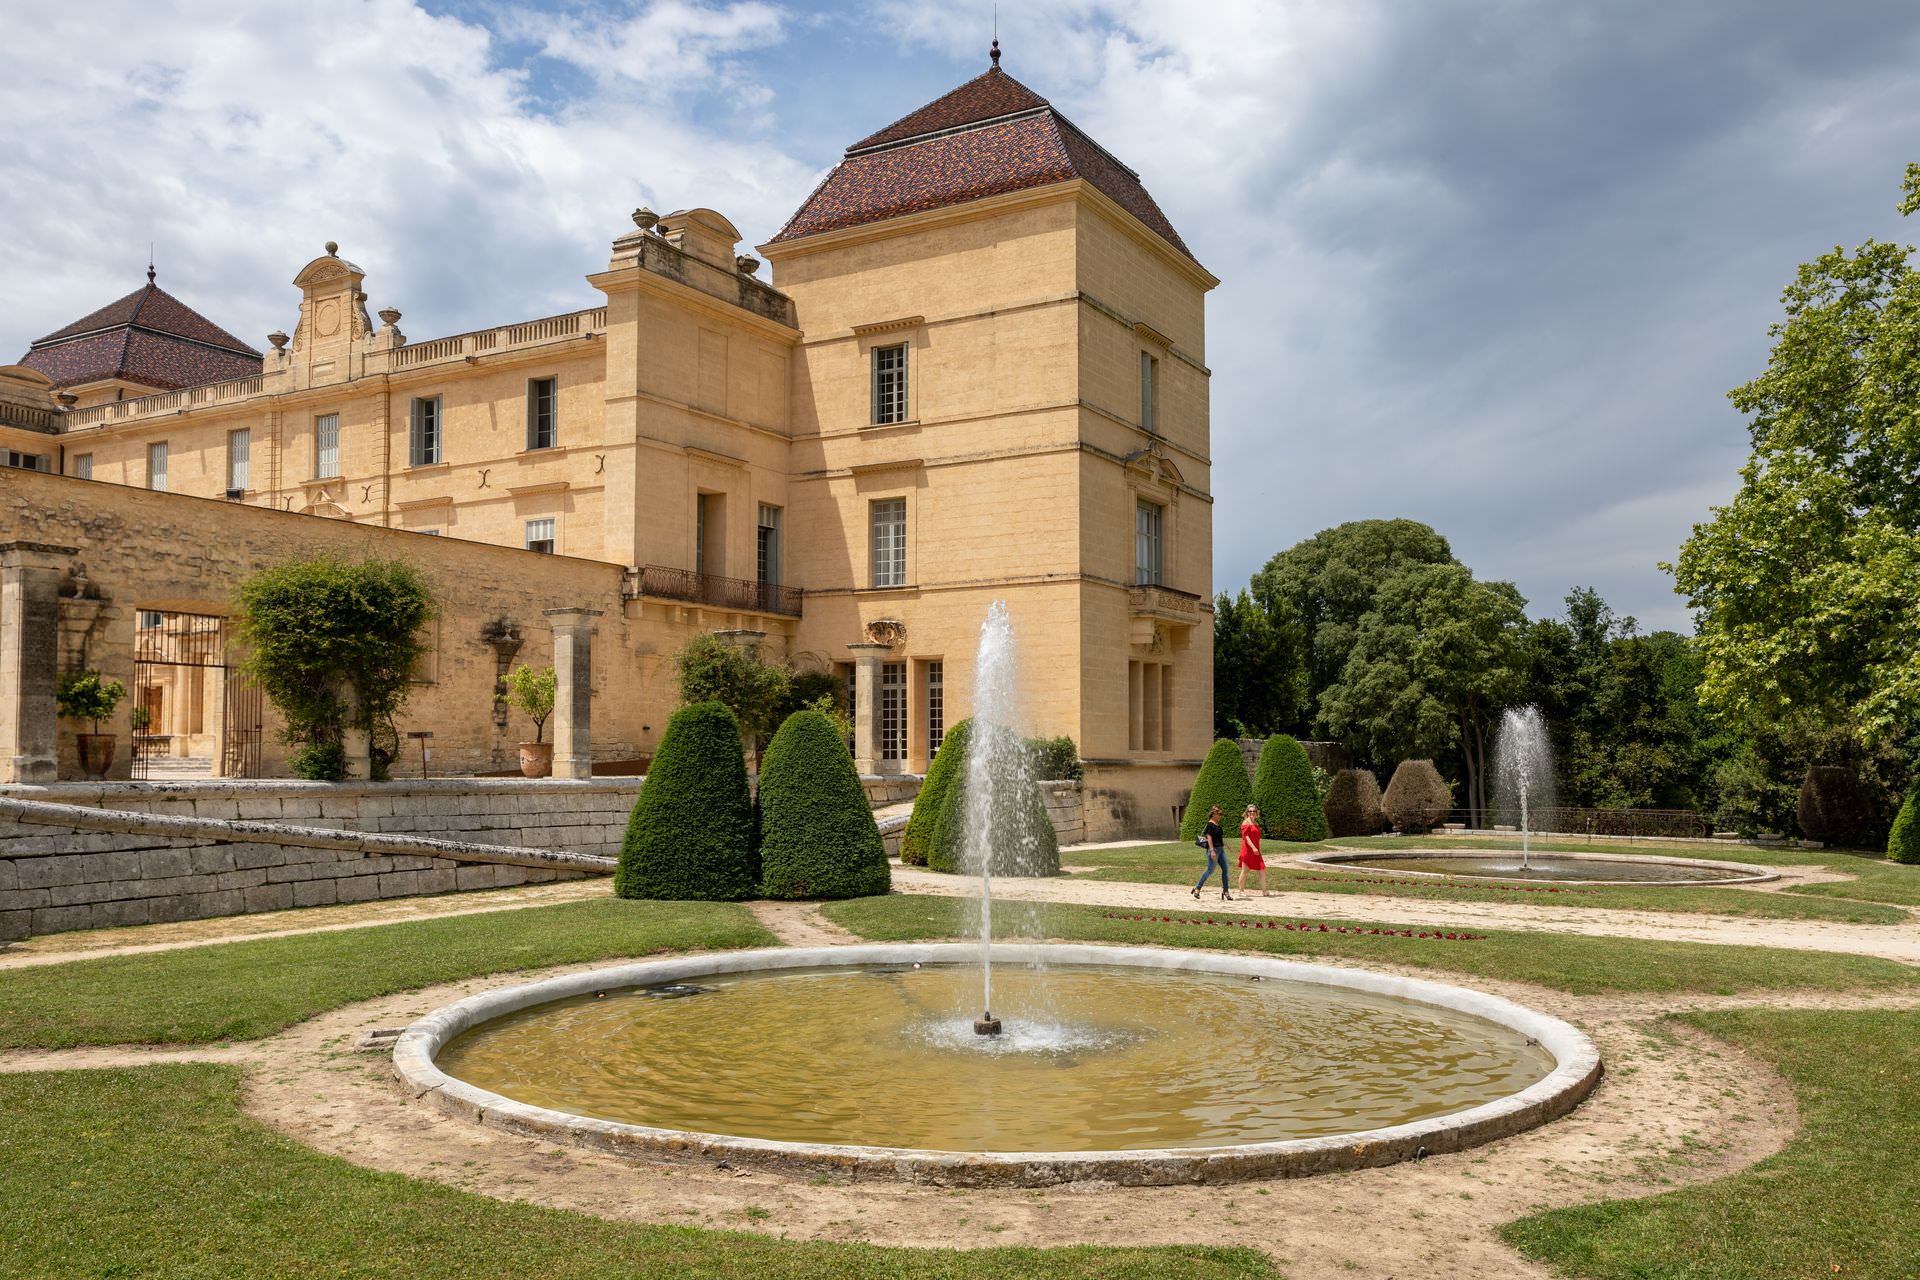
(30, 574)
(573, 694)
(867, 657)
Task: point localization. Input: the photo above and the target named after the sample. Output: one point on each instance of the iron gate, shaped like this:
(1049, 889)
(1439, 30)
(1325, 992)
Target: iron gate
(179, 669)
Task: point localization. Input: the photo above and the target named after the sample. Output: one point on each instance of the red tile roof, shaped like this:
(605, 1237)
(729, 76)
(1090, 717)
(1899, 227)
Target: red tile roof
(990, 136)
(149, 337)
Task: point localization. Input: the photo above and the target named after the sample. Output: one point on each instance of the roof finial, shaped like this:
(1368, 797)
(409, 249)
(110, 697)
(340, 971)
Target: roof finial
(150, 271)
(994, 53)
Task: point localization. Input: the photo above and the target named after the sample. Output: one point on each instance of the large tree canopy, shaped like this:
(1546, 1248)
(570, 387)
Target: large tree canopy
(1259, 670)
(1807, 585)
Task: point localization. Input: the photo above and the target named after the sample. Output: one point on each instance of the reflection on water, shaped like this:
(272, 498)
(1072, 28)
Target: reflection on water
(1548, 866)
(1145, 1059)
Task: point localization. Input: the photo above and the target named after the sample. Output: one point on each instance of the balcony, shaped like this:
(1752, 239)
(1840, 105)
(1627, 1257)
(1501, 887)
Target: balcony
(716, 592)
(1156, 613)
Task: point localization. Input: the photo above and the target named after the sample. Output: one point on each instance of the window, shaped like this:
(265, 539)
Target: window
(25, 461)
(890, 542)
(893, 711)
(890, 384)
(423, 432)
(326, 446)
(147, 619)
(1146, 543)
(540, 536)
(239, 444)
(83, 465)
(709, 524)
(1149, 368)
(431, 533)
(936, 706)
(541, 395)
(768, 548)
(157, 466)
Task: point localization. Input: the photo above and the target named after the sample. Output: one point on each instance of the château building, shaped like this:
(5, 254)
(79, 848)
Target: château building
(978, 372)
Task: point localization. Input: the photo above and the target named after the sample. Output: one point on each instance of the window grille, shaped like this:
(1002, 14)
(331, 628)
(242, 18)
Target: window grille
(893, 711)
(889, 520)
(890, 384)
(326, 455)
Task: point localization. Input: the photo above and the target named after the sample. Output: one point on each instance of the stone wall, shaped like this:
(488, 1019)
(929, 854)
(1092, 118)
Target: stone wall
(583, 816)
(66, 867)
(1065, 808)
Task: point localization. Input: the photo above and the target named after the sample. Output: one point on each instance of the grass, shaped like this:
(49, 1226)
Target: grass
(244, 990)
(1178, 863)
(1839, 1200)
(1563, 962)
(153, 1171)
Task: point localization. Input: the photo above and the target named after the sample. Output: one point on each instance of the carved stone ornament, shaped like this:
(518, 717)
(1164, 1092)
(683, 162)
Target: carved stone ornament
(887, 631)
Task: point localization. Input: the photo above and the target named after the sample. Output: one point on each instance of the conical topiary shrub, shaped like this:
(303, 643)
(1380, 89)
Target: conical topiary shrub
(1903, 844)
(817, 834)
(1835, 808)
(1353, 804)
(1222, 781)
(949, 762)
(1283, 788)
(1417, 798)
(691, 833)
(1022, 838)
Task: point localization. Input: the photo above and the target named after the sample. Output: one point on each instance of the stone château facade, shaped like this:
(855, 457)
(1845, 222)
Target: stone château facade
(979, 372)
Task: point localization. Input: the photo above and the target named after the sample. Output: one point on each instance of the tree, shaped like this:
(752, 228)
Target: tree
(1806, 586)
(1433, 661)
(1283, 787)
(817, 834)
(333, 643)
(691, 831)
(1325, 585)
(712, 670)
(1222, 780)
(1259, 669)
(532, 689)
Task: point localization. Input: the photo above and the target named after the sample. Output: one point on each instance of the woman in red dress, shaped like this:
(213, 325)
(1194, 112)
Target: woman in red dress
(1250, 858)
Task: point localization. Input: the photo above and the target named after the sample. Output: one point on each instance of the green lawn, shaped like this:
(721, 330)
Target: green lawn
(1882, 882)
(1842, 1199)
(1579, 965)
(153, 1172)
(243, 990)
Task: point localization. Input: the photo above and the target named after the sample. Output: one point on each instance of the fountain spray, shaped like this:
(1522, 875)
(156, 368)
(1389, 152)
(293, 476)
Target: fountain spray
(998, 776)
(1523, 767)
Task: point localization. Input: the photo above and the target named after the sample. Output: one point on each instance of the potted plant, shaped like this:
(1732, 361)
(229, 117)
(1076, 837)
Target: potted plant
(531, 689)
(83, 695)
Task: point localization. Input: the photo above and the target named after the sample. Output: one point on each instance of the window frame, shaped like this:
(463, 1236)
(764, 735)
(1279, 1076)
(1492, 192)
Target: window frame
(891, 399)
(936, 681)
(426, 443)
(240, 461)
(891, 692)
(83, 466)
(1149, 545)
(767, 549)
(551, 384)
(551, 529)
(320, 448)
(1149, 392)
(893, 573)
(157, 475)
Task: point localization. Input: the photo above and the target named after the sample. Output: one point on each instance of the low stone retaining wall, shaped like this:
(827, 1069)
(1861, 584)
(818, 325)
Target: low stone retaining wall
(580, 816)
(68, 867)
(1067, 810)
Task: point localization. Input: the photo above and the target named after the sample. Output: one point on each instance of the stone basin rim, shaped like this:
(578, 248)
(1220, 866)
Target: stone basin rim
(1576, 1071)
(1343, 860)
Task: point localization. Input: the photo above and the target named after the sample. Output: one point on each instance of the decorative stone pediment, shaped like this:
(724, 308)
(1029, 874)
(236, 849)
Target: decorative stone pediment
(1151, 465)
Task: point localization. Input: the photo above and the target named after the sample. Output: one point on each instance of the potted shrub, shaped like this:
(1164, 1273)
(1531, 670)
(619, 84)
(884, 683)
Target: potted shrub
(83, 695)
(531, 689)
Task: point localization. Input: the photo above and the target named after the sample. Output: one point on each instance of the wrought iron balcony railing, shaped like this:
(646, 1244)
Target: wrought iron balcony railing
(721, 593)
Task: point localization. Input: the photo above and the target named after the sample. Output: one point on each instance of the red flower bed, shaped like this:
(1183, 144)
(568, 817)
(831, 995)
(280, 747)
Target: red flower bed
(1304, 926)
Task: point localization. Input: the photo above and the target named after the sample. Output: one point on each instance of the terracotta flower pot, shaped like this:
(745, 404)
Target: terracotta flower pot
(536, 759)
(96, 754)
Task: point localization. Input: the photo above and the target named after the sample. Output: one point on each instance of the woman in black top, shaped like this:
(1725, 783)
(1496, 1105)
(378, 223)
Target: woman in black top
(1214, 841)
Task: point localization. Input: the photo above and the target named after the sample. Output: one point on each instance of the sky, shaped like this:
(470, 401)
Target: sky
(1488, 264)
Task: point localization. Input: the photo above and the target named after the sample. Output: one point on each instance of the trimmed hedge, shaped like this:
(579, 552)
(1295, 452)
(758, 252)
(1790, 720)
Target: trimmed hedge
(1903, 844)
(817, 834)
(1283, 788)
(691, 833)
(1417, 798)
(1023, 842)
(1223, 781)
(949, 762)
(1835, 808)
(1353, 804)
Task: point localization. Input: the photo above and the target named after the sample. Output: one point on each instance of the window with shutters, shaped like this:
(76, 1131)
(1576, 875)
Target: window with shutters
(157, 466)
(423, 432)
(326, 446)
(83, 465)
(542, 400)
(768, 545)
(239, 445)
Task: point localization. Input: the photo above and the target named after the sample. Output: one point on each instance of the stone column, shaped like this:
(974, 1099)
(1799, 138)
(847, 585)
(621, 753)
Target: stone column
(867, 657)
(573, 694)
(30, 574)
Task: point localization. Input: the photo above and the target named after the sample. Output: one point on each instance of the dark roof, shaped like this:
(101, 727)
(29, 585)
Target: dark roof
(149, 337)
(990, 136)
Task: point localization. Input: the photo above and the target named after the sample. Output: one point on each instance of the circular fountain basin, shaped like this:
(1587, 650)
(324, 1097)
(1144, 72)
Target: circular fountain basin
(1556, 868)
(1129, 1065)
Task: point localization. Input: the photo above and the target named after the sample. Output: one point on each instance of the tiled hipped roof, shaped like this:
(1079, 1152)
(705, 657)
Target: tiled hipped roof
(991, 136)
(149, 337)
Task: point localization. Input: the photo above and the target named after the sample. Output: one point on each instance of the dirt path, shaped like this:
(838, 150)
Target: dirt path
(1888, 941)
(800, 924)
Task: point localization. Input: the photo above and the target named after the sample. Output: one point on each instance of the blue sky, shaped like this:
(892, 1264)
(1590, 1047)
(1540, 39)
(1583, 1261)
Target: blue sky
(1491, 264)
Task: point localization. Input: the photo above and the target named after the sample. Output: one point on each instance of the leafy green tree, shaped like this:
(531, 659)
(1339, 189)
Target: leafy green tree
(737, 677)
(1432, 664)
(532, 689)
(1223, 781)
(817, 834)
(1259, 669)
(1325, 585)
(333, 643)
(1805, 586)
(1284, 789)
(1903, 842)
(949, 762)
(691, 831)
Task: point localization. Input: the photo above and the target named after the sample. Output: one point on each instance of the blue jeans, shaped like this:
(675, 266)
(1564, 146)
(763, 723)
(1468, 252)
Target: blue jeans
(1216, 857)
